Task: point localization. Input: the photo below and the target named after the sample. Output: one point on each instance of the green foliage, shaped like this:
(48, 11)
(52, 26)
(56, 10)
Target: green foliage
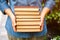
(54, 16)
(56, 38)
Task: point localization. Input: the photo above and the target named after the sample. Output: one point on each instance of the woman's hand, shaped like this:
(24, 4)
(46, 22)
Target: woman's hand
(42, 16)
(41, 23)
(12, 17)
(13, 22)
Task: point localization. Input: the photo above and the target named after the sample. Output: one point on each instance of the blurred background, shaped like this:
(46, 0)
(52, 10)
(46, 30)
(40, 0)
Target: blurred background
(53, 23)
(3, 33)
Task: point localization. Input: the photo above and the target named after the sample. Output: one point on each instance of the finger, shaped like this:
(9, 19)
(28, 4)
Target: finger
(41, 28)
(41, 22)
(14, 26)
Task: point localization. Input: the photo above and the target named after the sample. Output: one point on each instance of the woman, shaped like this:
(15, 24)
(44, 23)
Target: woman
(10, 24)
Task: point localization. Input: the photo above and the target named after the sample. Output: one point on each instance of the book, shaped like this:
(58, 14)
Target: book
(28, 23)
(29, 30)
(28, 17)
(28, 20)
(38, 26)
(26, 8)
(27, 13)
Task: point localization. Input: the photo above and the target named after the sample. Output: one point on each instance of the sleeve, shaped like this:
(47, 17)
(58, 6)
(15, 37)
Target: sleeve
(49, 4)
(3, 5)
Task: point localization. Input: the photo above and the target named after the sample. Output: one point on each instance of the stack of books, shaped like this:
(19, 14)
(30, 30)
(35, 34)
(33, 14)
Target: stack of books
(27, 18)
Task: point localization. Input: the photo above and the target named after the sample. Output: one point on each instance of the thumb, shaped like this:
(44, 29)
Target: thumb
(14, 26)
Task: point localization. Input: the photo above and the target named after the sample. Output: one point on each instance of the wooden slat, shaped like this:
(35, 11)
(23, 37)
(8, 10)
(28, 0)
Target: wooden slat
(28, 20)
(28, 26)
(28, 23)
(28, 30)
(28, 17)
(27, 13)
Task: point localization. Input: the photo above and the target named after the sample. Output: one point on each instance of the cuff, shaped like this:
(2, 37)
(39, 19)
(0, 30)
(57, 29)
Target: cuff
(4, 6)
(49, 4)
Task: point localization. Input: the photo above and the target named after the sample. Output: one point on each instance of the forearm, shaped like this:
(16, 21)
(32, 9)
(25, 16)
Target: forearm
(44, 12)
(12, 17)
(47, 7)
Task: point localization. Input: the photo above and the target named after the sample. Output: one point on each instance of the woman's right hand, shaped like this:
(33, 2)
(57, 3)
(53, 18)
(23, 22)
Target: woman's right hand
(12, 17)
(13, 22)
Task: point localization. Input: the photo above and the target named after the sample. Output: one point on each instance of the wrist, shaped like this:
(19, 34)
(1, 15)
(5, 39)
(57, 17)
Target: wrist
(11, 15)
(8, 12)
(42, 16)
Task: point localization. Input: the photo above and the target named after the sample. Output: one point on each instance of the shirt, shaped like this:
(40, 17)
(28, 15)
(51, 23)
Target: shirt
(4, 5)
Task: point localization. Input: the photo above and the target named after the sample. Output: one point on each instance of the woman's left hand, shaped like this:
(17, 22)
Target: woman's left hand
(41, 23)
